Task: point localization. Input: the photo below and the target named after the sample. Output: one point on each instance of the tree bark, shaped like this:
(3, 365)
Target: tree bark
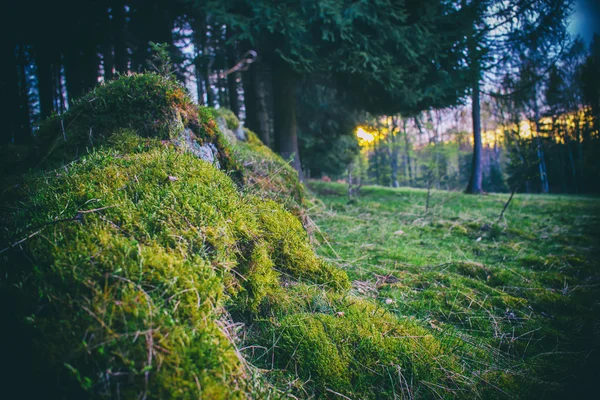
(284, 93)
(250, 96)
(9, 91)
(394, 155)
(45, 86)
(407, 154)
(119, 28)
(25, 124)
(474, 186)
(107, 62)
(540, 149)
(257, 105)
(232, 87)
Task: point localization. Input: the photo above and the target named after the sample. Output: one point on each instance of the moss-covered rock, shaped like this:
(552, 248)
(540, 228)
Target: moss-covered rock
(149, 104)
(123, 262)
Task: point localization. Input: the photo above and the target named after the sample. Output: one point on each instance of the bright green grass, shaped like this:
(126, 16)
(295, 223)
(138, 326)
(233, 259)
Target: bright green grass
(518, 300)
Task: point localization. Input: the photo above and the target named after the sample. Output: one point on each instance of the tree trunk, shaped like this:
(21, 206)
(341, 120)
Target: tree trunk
(45, 86)
(73, 81)
(107, 62)
(234, 101)
(284, 93)
(90, 65)
(394, 155)
(119, 29)
(199, 83)
(407, 154)
(25, 124)
(9, 91)
(262, 105)
(573, 169)
(540, 149)
(232, 87)
(199, 37)
(250, 103)
(474, 186)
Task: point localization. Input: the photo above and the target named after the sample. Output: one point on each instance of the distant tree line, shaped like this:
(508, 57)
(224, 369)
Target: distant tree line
(545, 141)
(315, 68)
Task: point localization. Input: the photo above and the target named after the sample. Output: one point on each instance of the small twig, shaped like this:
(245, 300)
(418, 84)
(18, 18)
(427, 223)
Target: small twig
(508, 202)
(21, 241)
(338, 394)
(94, 210)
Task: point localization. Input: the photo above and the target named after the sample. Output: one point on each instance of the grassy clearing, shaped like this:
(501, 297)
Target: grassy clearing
(516, 301)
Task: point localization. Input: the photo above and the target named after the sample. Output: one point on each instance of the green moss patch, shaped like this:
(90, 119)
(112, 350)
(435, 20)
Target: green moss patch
(149, 104)
(131, 255)
(267, 175)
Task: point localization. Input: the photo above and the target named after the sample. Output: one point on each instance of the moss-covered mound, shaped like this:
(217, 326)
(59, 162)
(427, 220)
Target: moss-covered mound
(151, 105)
(129, 259)
(127, 269)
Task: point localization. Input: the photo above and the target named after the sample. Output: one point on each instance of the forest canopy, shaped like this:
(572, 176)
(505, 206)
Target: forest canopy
(304, 75)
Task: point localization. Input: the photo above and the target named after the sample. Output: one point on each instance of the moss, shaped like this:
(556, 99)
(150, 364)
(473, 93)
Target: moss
(267, 175)
(230, 118)
(135, 250)
(351, 346)
(151, 105)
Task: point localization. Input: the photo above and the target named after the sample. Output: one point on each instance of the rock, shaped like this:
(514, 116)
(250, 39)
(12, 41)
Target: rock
(232, 135)
(207, 151)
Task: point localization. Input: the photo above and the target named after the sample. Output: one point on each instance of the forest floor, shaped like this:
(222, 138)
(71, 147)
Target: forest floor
(519, 296)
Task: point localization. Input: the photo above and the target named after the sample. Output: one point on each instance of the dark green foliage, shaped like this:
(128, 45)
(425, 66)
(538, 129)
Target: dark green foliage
(326, 131)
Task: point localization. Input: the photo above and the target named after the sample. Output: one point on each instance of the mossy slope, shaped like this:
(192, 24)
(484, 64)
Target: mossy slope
(127, 266)
(133, 251)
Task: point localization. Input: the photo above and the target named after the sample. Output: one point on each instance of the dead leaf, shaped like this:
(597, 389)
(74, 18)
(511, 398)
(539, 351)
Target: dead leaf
(399, 232)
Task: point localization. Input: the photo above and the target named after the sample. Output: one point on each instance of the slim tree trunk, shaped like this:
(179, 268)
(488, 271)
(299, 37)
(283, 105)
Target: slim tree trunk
(45, 86)
(199, 82)
(284, 92)
(91, 66)
(200, 61)
(107, 62)
(474, 186)
(262, 105)
(540, 149)
(394, 155)
(248, 83)
(25, 125)
(232, 87)
(9, 91)
(73, 81)
(119, 29)
(407, 154)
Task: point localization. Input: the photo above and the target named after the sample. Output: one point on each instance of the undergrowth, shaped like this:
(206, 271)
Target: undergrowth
(516, 300)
